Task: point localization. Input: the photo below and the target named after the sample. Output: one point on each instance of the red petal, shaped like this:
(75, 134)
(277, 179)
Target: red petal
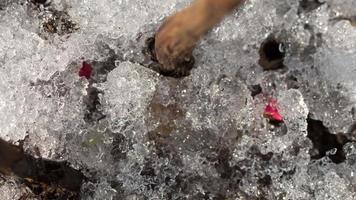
(271, 112)
(85, 70)
(277, 117)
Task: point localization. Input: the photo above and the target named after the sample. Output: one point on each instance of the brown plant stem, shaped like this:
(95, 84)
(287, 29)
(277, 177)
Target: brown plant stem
(179, 34)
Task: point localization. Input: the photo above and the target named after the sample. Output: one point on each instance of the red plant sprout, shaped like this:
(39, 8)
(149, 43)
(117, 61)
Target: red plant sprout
(271, 111)
(86, 70)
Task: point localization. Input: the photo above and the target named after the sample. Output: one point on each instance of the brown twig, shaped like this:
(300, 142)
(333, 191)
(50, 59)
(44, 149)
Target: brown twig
(179, 34)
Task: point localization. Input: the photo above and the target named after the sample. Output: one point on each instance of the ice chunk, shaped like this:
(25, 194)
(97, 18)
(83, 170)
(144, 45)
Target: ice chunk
(293, 110)
(128, 90)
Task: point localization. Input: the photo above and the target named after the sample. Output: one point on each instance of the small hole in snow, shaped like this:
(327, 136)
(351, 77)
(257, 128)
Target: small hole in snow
(309, 5)
(271, 54)
(44, 2)
(255, 90)
(186, 63)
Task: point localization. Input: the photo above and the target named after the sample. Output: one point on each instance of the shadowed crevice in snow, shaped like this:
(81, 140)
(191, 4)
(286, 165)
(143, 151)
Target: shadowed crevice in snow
(47, 179)
(93, 106)
(324, 141)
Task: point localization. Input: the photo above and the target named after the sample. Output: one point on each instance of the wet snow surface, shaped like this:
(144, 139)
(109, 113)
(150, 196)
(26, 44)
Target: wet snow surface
(268, 112)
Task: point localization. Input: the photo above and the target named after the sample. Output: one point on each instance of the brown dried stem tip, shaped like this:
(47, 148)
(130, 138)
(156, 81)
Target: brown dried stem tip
(178, 35)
